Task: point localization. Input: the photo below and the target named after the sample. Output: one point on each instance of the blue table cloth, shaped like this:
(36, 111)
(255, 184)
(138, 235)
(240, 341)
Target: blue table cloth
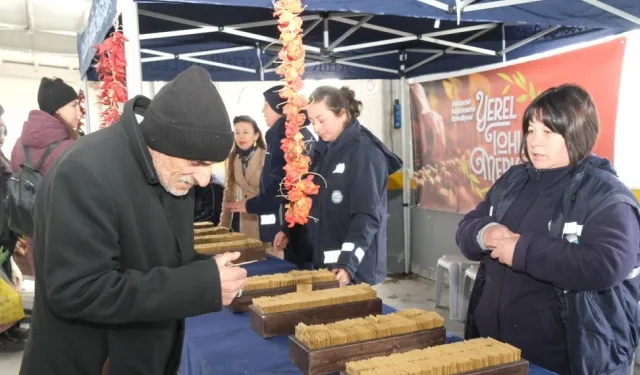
(223, 343)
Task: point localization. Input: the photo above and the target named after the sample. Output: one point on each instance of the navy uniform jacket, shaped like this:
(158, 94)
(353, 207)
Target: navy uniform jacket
(351, 208)
(269, 204)
(590, 257)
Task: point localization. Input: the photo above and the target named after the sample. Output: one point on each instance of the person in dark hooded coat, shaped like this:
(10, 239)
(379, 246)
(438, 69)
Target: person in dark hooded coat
(347, 231)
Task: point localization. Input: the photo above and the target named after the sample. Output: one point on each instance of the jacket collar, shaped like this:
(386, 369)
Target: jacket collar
(138, 106)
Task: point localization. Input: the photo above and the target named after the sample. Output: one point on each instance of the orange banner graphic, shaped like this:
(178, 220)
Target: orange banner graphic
(468, 129)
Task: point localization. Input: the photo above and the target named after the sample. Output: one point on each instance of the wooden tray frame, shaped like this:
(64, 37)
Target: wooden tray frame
(284, 324)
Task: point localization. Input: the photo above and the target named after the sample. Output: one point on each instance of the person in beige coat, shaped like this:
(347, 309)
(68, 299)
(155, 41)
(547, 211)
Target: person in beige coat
(244, 167)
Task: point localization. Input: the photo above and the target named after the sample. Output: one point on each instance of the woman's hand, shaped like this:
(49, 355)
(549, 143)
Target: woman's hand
(280, 242)
(240, 206)
(342, 276)
(494, 234)
(505, 247)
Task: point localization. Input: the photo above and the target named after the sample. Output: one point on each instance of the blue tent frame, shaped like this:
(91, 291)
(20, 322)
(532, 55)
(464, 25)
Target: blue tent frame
(236, 40)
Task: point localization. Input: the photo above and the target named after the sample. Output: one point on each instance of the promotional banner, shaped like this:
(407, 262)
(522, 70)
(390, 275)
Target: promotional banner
(468, 129)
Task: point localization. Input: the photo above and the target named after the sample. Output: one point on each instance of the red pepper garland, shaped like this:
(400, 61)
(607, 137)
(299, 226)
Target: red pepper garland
(111, 72)
(81, 100)
(298, 182)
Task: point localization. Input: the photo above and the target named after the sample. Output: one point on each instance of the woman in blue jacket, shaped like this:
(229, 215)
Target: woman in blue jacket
(269, 203)
(349, 235)
(558, 238)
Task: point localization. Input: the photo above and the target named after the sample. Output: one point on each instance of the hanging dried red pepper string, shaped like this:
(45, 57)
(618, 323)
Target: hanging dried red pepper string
(298, 182)
(111, 73)
(81, 104)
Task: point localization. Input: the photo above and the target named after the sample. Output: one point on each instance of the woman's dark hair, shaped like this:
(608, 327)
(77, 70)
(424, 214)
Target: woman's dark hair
(231, 178)
(567, 110)
(337, 100)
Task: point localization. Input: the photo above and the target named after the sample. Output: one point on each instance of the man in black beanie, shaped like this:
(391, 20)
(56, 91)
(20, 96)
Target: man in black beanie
(114, 216)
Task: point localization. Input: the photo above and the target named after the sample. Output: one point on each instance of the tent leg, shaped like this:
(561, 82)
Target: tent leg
(87, 106)
(504, 44)
(130, 29)
(406, 183)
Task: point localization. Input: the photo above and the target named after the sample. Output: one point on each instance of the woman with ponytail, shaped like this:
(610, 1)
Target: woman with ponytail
(349, 236)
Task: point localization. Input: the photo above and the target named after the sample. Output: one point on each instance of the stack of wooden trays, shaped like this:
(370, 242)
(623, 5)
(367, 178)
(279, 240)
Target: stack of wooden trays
(282, 283)
(325, 349)
(478, 356)
(279, 315)
(211, 240)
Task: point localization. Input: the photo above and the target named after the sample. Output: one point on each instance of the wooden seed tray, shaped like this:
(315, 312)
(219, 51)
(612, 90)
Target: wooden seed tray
(246, 255)
(333, 359)
(284, 324)
(514, 368)
(241, 304)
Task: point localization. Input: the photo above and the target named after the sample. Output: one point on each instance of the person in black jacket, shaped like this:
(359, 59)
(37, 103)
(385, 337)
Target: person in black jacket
(116, 270)
(349, 235)
(558, 239)
(269, 204)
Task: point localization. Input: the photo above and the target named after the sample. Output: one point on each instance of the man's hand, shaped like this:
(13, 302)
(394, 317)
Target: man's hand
(494, 234)
(342, 276)
(232, 278)
(504, 248)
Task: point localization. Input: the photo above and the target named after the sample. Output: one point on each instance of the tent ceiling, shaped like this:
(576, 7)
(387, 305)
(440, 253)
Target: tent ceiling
(237, 39)
(42, 32)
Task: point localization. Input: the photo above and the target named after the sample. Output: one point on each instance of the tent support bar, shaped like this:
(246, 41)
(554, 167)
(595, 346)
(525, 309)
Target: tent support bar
(373, 27)
(220, 65)
(407, 169)
(325, 34)
(369, 55)
(482, 51)
(365, 66)
(130, 29)
(437, 4)
(530, 39)
(348, 33)
(261, 38)
(434, 50)
(185, 57)
(448, 50)
(504, 43)
(496, 4)
(612, 10)
(459, 30)
(163, 56)
(375, 44)
(170, 34)
(311, 27)
(216, 51)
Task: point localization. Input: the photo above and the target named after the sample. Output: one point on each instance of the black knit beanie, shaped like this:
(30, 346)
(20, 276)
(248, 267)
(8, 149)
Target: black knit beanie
(54, 94)
(272, 96)
(187, 119)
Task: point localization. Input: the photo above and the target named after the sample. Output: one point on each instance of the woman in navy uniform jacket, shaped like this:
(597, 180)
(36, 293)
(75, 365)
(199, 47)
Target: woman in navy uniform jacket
(558, 238)
(269, 203)
(349, 235)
